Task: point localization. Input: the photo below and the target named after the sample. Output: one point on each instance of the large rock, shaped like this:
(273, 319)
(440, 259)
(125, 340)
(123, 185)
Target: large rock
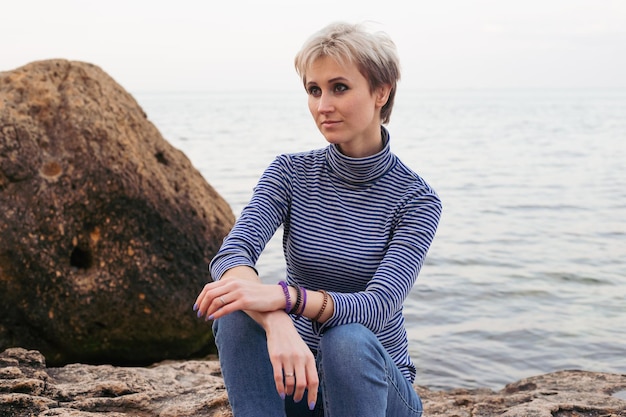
(196, 388)
(105, 228)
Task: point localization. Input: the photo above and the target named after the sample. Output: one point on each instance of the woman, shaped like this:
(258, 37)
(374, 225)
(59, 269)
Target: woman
(357, 226)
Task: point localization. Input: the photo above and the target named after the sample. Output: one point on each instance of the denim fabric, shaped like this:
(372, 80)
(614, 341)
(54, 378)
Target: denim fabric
(357, 376)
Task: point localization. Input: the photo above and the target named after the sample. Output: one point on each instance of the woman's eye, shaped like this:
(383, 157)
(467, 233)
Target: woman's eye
(340, 88)
(315, 91)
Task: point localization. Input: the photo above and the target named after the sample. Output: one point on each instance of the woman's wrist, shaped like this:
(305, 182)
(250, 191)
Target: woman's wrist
(241, 272)
(273, 318)
(295, 300)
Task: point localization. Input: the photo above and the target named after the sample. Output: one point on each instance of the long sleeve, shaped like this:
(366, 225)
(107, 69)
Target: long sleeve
(385, 293)
(257, 223)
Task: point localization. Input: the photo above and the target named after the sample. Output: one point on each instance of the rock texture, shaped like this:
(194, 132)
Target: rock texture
(195, 388)
(105, 228)
(569, 393)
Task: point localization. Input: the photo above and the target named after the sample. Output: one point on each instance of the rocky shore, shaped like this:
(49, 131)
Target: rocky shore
(195, 388)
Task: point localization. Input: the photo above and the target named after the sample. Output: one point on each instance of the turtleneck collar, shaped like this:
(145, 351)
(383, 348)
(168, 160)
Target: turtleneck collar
(361, 170)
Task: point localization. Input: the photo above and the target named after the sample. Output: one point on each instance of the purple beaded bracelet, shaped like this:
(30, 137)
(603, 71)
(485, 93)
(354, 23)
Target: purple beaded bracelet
(287, 296)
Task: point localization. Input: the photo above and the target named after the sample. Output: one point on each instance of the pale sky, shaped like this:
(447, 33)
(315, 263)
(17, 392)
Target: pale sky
(204, 45)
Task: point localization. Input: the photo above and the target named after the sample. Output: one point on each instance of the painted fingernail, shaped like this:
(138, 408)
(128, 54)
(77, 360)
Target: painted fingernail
(210, 317)
(195, 307)
(282, 395)
(199, 314)
(312, 405)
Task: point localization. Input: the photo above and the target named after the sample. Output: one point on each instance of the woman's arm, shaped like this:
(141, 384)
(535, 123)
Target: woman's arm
(241, 289)
(396, 274)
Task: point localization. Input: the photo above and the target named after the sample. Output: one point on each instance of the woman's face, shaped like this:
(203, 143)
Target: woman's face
(344, 109)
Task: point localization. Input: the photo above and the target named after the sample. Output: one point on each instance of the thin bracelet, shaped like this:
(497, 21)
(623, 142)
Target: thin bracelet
(287, 296)
(319, 315)
(296, 306)
(301, 312)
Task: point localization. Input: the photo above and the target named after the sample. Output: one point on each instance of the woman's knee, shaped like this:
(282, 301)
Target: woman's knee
(346, 336)
(236, 327)
(348, 345)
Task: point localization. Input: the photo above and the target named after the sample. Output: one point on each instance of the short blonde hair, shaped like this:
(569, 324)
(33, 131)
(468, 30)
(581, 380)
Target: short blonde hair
(374, 54)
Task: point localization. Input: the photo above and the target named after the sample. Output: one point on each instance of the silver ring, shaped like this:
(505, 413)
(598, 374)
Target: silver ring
(289, 375)
(222, 300)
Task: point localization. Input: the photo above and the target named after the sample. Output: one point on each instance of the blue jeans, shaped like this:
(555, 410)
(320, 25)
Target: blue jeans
(357, 376)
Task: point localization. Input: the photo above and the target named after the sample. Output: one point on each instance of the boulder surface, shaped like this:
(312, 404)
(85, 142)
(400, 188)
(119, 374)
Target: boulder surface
(105, 228)
(196, 388)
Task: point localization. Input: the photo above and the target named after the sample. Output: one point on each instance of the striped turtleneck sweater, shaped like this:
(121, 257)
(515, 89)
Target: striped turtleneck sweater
(358, 228)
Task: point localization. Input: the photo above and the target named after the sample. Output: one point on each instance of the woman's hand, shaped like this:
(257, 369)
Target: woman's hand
(292, 360)
(226, 296)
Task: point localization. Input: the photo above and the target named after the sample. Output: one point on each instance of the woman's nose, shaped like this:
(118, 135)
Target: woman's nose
(325, 103)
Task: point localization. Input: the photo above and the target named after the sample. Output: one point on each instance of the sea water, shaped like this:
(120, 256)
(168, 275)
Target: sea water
(527, 272)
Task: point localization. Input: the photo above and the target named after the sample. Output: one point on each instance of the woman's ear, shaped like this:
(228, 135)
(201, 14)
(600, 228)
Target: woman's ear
(382, 95)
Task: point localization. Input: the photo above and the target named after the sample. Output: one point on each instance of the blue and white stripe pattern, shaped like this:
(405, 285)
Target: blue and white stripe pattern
(358, 228)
